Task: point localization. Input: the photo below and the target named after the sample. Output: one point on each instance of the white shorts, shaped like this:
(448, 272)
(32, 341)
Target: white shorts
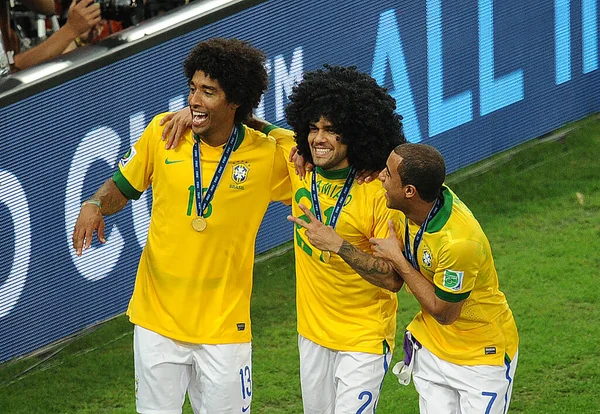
(340, 382)
(218, 378)
(448, 388)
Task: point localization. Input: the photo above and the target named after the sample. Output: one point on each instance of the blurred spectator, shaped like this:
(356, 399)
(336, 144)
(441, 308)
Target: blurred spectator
(46, 7)
(82, 17)
(82, 23)
(103, 29)
(158, 7)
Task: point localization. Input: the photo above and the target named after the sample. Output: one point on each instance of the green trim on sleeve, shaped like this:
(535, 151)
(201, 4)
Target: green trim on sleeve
(451, 297)
(268, 128)
(124, 186)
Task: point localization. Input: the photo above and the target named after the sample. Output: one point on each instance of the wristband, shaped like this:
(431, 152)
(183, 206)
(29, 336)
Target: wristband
(94, 202)
(79, 42)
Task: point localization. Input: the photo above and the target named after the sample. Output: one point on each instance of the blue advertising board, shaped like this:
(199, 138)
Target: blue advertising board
(472, 78)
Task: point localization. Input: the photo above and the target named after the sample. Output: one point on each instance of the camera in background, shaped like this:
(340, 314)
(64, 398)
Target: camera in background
(127, 12)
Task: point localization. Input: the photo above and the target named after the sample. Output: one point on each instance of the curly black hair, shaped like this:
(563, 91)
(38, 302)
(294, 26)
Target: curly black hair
(361, 112)
(236, 65)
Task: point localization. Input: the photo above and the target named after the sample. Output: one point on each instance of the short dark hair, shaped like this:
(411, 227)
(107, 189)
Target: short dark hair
(236, 65)
(361, 112)
(422, 166)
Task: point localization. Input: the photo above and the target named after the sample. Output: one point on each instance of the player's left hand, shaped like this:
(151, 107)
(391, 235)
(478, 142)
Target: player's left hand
(319, 235)
(366, 176)
(389, 249)
(301, 165)
(176, 125)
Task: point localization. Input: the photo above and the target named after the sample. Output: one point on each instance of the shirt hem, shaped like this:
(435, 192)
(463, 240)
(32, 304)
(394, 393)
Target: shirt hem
(496, 360)
(348, 348)
(189, 339)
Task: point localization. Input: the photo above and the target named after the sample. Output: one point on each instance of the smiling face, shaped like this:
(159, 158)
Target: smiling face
(326, 146)
(212, 114)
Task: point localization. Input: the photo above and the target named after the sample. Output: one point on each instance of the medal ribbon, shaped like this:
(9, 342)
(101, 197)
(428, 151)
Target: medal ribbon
(203, 202)
(419, 236)
(314, 193)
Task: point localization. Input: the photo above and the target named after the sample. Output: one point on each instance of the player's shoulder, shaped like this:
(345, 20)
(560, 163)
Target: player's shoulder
(255, 138)
(154, 127)
(373, 189)
(461, 232)
(284, 137)
(256, 144)
(461, 220)
(159, 117)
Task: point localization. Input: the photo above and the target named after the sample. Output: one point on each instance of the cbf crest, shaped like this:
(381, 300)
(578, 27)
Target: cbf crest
(426, 258)
(239, 175)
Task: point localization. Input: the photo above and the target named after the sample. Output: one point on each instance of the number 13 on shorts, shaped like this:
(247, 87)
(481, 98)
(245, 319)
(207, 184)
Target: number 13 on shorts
(246, 383)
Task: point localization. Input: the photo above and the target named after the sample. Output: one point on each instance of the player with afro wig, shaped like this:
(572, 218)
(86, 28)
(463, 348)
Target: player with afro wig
(361, 112)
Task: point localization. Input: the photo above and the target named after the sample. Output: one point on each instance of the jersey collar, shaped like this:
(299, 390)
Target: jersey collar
(441, 218)
(335, 174)
(239, 138)
(241, 133)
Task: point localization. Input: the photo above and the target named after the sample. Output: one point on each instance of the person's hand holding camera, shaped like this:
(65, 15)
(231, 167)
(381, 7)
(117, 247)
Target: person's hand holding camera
(83, 16)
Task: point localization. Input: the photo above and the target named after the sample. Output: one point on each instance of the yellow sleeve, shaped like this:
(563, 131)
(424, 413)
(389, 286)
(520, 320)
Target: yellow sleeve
(134, 175)
(281, 187)
(283, 137)
(457, 270)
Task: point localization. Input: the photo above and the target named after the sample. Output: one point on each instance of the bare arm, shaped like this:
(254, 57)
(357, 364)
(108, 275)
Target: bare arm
(376, 271)
(82, 17)
(391, 249)
(110, 197)
(41, 6)
(91, 218)
(444, 312)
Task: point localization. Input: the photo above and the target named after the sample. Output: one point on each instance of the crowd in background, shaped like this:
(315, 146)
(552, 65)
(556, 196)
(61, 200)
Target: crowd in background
(34, 31)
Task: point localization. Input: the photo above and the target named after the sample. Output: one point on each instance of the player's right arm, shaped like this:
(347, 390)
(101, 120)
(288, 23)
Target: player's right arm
(441, 302)
(377, 271)
(374, 270)
(128, 182)
(106, 201)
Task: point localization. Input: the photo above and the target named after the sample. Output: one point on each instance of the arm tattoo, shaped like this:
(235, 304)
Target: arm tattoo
(378, 272)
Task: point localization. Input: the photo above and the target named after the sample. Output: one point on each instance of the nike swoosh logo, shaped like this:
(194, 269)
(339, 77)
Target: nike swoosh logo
(167, 161)
(244, 409)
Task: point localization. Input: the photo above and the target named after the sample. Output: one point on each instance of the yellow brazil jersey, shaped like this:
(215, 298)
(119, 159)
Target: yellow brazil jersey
(195, 286)
(455, 255)
(336, 307)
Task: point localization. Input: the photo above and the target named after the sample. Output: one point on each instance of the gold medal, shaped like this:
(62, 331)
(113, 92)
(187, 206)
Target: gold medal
(326, 256)
(199, 224)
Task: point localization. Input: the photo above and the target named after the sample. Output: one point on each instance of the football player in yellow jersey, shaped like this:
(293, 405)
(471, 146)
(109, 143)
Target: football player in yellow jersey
(343, 122)
(191, 300)
(462, 348)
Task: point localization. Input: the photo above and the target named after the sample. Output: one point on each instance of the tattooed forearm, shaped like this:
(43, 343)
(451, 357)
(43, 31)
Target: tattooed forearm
(110, 197)
(377, 271)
